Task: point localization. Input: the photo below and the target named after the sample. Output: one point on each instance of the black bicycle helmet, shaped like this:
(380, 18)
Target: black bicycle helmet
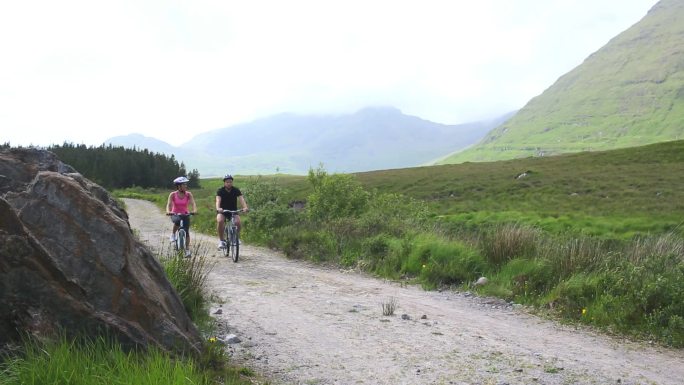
(228, 176)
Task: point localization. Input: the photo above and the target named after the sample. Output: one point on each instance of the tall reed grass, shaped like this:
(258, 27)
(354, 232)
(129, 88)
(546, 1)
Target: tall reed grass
(189, 276)
(507, 241)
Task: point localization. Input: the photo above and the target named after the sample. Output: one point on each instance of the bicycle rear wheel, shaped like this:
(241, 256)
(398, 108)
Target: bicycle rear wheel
(235, 244)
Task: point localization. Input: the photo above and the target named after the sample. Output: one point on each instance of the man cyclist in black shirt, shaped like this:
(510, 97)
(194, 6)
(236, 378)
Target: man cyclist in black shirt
(226, 199)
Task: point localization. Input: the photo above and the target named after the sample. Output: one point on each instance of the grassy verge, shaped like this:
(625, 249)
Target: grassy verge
(96, 362)
(101, 361)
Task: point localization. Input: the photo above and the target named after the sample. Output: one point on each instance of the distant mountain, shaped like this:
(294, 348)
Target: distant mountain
(628, 93)
(141, 142)
(370, 139)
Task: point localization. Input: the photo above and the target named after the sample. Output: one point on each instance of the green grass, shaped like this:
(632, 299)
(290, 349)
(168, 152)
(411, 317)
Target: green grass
(618, 193)
(99, 361)
(615, 194)
(188, 276)
(593, 238)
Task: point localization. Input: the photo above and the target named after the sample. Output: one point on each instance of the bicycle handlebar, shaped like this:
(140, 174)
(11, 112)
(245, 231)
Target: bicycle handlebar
(188, 214)
(231, 211)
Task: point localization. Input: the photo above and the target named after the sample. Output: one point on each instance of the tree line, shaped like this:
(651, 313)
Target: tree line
(118, 167)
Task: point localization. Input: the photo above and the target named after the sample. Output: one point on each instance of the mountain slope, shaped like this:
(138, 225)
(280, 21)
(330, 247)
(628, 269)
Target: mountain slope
(628, 93)
(370, 139)
(142, 141)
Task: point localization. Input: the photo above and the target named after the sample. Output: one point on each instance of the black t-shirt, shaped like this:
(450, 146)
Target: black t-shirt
(228, 198)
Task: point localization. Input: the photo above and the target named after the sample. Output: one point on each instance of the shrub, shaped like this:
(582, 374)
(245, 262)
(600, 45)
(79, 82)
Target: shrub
(655, 292)
(390, 263)
(262, 192)
(527, 279)
(262, 222)
(377, 245)
(576, 293)
(441, 262)
(335, 196)
(307, 243)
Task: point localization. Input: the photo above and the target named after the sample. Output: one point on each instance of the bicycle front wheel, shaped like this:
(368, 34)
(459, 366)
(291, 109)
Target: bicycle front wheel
(226, 236)
(235, 245)
(180, 240)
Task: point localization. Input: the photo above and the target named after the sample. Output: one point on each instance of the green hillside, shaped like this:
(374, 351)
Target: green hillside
(629, 93)
(615, 194)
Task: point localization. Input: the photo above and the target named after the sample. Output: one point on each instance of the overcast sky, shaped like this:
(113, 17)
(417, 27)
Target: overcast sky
(84, 71)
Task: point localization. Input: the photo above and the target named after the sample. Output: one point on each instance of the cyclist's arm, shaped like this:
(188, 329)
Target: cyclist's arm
(218, 203)
(243, 203)
(192, 201)
(168, 204)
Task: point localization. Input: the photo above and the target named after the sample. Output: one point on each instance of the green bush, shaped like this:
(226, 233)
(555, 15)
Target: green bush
(524, 279)
(260, 223)
(335, 196)
(655, 293)
(393, 214)
(306, 243)
(389, 264)
(267, 211)
(452, 263)
(377, 245)
(572, 296)
(437, 261)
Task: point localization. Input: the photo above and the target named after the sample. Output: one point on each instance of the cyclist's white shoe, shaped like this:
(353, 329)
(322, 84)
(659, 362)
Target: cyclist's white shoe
(188, 254)
(222, 244)
(172, 239)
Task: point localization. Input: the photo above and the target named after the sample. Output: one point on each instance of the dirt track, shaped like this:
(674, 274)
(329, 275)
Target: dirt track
(303, 324)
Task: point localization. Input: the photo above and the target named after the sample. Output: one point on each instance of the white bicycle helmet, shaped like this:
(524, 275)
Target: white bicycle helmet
(181, 180)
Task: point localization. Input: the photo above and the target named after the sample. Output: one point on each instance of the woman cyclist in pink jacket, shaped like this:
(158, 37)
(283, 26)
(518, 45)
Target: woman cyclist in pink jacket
(177, 206)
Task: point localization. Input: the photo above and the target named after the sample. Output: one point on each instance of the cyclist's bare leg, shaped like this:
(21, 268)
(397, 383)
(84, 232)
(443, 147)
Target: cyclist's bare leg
(175, 230)
(237, 221)
(220, 225)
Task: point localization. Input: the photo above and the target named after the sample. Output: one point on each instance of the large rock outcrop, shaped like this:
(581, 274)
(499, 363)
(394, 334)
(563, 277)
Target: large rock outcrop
(69, 261)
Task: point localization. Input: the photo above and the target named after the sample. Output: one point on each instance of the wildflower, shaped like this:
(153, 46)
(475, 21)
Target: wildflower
(584, 311)
(212, 339)
(423, 266)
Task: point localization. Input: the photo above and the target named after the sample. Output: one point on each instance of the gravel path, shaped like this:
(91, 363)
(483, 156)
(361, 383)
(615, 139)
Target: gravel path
(305, 324)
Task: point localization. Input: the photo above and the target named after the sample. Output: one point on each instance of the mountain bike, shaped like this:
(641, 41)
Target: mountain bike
(231, 234)
(181, 243)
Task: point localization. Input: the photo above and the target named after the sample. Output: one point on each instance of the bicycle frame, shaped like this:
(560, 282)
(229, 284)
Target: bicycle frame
(231, 235)
(181, 243)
